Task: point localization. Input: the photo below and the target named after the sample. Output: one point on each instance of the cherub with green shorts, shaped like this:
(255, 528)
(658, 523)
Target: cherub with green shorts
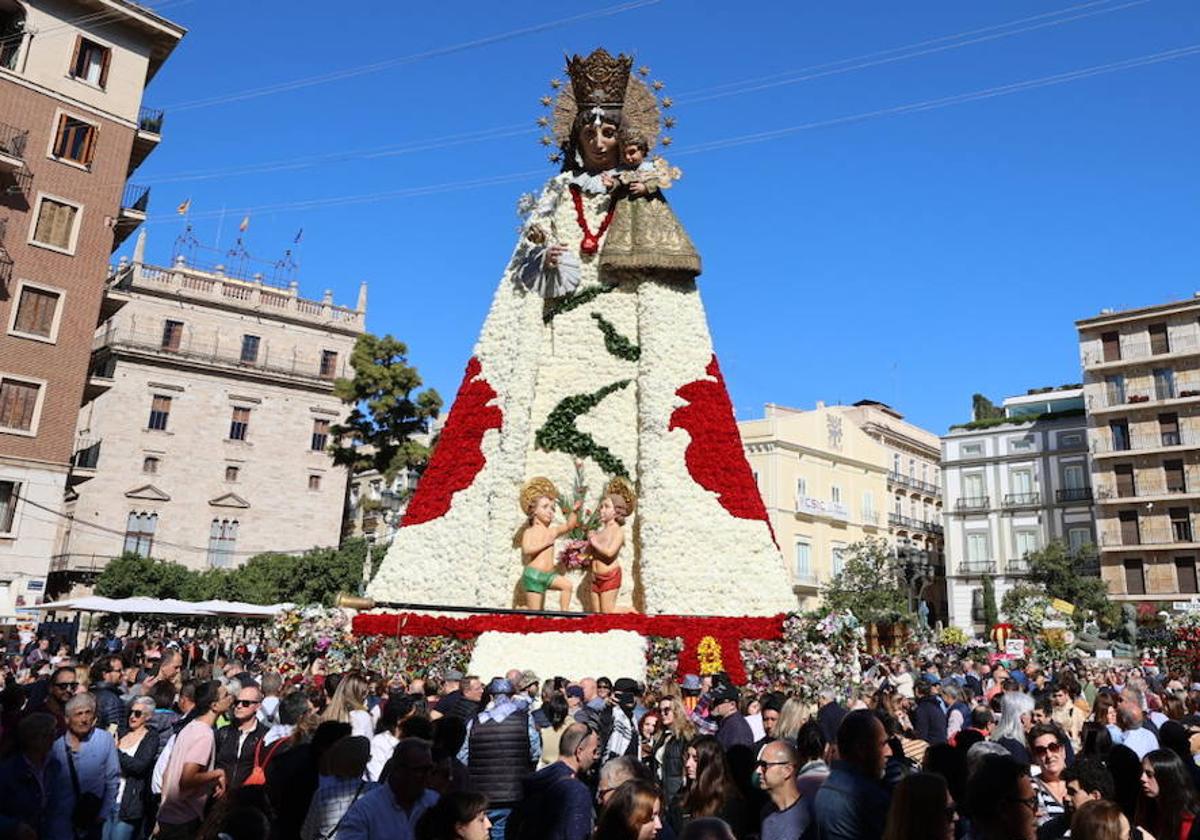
(539, 501)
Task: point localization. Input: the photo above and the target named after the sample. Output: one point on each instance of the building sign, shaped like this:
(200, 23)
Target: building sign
(1186, 606)
(820, 507)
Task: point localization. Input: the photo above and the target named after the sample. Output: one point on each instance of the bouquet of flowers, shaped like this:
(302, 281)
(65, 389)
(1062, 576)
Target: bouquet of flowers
(815, 653)
(574, 554)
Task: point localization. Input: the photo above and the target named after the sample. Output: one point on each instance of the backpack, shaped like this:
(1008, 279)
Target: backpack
(258, 774)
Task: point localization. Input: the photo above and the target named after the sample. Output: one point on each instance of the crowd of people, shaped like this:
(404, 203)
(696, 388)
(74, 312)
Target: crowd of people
(132, 738)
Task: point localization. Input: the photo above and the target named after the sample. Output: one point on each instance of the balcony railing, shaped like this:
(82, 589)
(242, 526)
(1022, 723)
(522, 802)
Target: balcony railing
(1017, 566)
(150, 119)
(915, 483)
(1146, 394)
(1141, 488)
(1136, 442)
(1073, 494)
(1018, 500)
(1136, 350)
(12, 141)
(87, 456)
(1149, 535)
(977, 567)
(973, 503)
(898, 521)
(135, 198)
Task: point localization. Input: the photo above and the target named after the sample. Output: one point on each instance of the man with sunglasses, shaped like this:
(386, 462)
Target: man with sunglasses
(236, 742)
(62, 686)
(106, 686)
(775, 773)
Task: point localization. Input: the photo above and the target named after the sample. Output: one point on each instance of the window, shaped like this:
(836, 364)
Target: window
(320, 435)
(172, 334)
(239, 423)
(55, 224)
(1074, 477)
(10, 491)
(314, 482)
(1022, 482)
(868, 506)
(803, 560)
(1159, 343)
(1070, 440)
(1026, 543)
(896, 463)
(973, 487)
(835, 494)
(838, 556)
(977, 548)
(19, 404)
(139, 532)
(36, 313)
(1130, 531)
(1114, 389)
(75, 140)
(231, 473)
(150, 465)
(1181, 524)
(249, 349)
(1021, 443)
(1135, 577)
(969, 449)
(1174, 475)
(222, 540)
(1164, 384)
(90, 62)
(1111, 342)
(1185, 575)
(1120, 434)
(1168, 429)
(912, 467)
(160, 412)
(329, 360)
(1077, 538)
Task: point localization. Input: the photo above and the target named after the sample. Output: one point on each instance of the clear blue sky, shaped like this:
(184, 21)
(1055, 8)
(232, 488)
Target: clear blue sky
(913, 257)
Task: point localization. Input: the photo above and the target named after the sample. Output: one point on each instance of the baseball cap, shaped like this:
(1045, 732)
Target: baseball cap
(723, 693)
(528, 678)
(575, 691)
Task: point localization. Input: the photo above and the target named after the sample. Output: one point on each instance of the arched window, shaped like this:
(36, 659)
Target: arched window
(139, 532)
(222, 541)
(12, 33)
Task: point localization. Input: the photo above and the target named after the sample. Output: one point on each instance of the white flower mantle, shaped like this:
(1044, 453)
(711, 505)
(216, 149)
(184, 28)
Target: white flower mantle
(619, 653)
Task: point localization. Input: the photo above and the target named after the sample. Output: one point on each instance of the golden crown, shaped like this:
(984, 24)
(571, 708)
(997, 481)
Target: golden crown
(534, 489)
(621, 487)
(599, 79)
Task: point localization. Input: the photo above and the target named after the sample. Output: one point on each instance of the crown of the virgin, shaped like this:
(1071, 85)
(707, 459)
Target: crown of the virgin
(599, 79)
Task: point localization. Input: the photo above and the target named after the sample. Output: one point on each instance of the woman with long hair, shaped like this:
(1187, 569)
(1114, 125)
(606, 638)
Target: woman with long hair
(557, 721)
(649, 728)
(1016, 718)
(633, 812)
(461, 815)
(676, 732)
(709, 789)
(794, 714)
(1099, 820)
(1168, 803)
(349, 705)
(1104, 712)
(921, 809)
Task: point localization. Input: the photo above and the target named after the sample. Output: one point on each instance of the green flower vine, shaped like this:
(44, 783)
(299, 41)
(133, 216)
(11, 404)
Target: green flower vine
(615, 343)
(563, 305)
(559, 433)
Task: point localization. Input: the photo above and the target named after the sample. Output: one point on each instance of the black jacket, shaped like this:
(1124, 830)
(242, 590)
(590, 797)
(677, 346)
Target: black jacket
(929, 721)
(236, 763)
(136, 770)
(455, 705)
(671, 770)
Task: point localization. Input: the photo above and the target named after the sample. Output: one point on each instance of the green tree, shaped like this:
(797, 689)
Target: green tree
(984, 409)
(991, 616)
(1055, 569)
(388, 409)
(869, 584)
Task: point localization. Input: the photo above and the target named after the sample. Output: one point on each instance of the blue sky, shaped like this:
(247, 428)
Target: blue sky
(860, 249)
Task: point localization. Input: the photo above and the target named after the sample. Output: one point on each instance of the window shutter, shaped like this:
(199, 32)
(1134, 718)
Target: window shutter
(89, 146)
(106, 57)
(74, 68)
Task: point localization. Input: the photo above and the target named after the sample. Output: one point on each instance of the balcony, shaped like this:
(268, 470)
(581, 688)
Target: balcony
(1148, 395)
(973, 504)
(1151, 537)
(1022, 500)
(1073, 495)
(924, 487)
(975, 568)
(12, 148)
(134, 202)
(84, 461)
(1142, 490)
(147, 137)
(1017, 566)
(98, 382)
(1143, 350)
(205, 352)
(908, 523)
(805, 582)
(1106, 446)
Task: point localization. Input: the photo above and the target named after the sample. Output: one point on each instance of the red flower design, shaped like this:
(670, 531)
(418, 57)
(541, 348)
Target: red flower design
(715, 459)
(458, 458)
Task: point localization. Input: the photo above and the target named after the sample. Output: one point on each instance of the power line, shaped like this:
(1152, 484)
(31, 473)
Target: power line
(102, 18)
(729, 142)
(375, 67)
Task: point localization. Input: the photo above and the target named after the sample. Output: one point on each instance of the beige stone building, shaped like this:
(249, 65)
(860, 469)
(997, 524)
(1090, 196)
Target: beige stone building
(915, 499)
(73, 128)
(825, 485)
(1141, 372)
(203, 439)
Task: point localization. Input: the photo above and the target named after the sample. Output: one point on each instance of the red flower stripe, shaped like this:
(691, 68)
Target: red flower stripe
(457, 458)
(714, 457)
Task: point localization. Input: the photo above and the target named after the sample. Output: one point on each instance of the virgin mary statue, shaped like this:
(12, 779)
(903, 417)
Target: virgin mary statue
(595, 361)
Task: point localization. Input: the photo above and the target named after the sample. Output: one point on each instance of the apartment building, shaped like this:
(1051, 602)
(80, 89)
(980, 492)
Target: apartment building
(205, 431)
(73, 129)
(1013, 484)
(1142, 381)
(824, 483)
(915, 498)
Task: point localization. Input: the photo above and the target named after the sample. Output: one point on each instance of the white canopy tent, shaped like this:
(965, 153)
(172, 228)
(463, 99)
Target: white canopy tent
(165, 606)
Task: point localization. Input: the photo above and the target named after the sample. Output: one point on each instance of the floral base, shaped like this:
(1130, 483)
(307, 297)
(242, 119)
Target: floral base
(617, 653)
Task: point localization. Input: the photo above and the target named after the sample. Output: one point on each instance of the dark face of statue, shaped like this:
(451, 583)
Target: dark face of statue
(598, 146)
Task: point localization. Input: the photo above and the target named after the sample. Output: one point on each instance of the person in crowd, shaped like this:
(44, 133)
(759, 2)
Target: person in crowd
(1001, 802)
(1126, 769)
(852, 804)
(618, 728)
(1048, 746)
(1100, 820)
(1168, 804)
(456, 816)
(1131, 718)
(633, 812)
(555, 803)
(958, 712)
(649, 728)
(769, 709)
(349, 705)
(1095, 741)
(1016, 717)
(1064, 712)
(464, 702)
(921, 809)
(62, 687)
(293, 776)
(1087, 780)
(190, 776)
(162, 722)
(341, 784)
(449, 735)
(88, 775)
(137, 750)
(793, 715)
(502, 748)
(776, 768)
(272, 689)
(392, 810)
(929, 718)
(829, 714)
(1104, 711)
(671, 748)
(555, 712)
(614, 773)
(387, 734)
(28, 796)
(292, 709)
(238, 745)
(105, 679)
(707, 828)
(709, 789)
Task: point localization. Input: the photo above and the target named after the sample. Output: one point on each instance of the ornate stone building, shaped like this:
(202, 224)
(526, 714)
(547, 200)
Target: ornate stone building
(73, 128)
(204, 436)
